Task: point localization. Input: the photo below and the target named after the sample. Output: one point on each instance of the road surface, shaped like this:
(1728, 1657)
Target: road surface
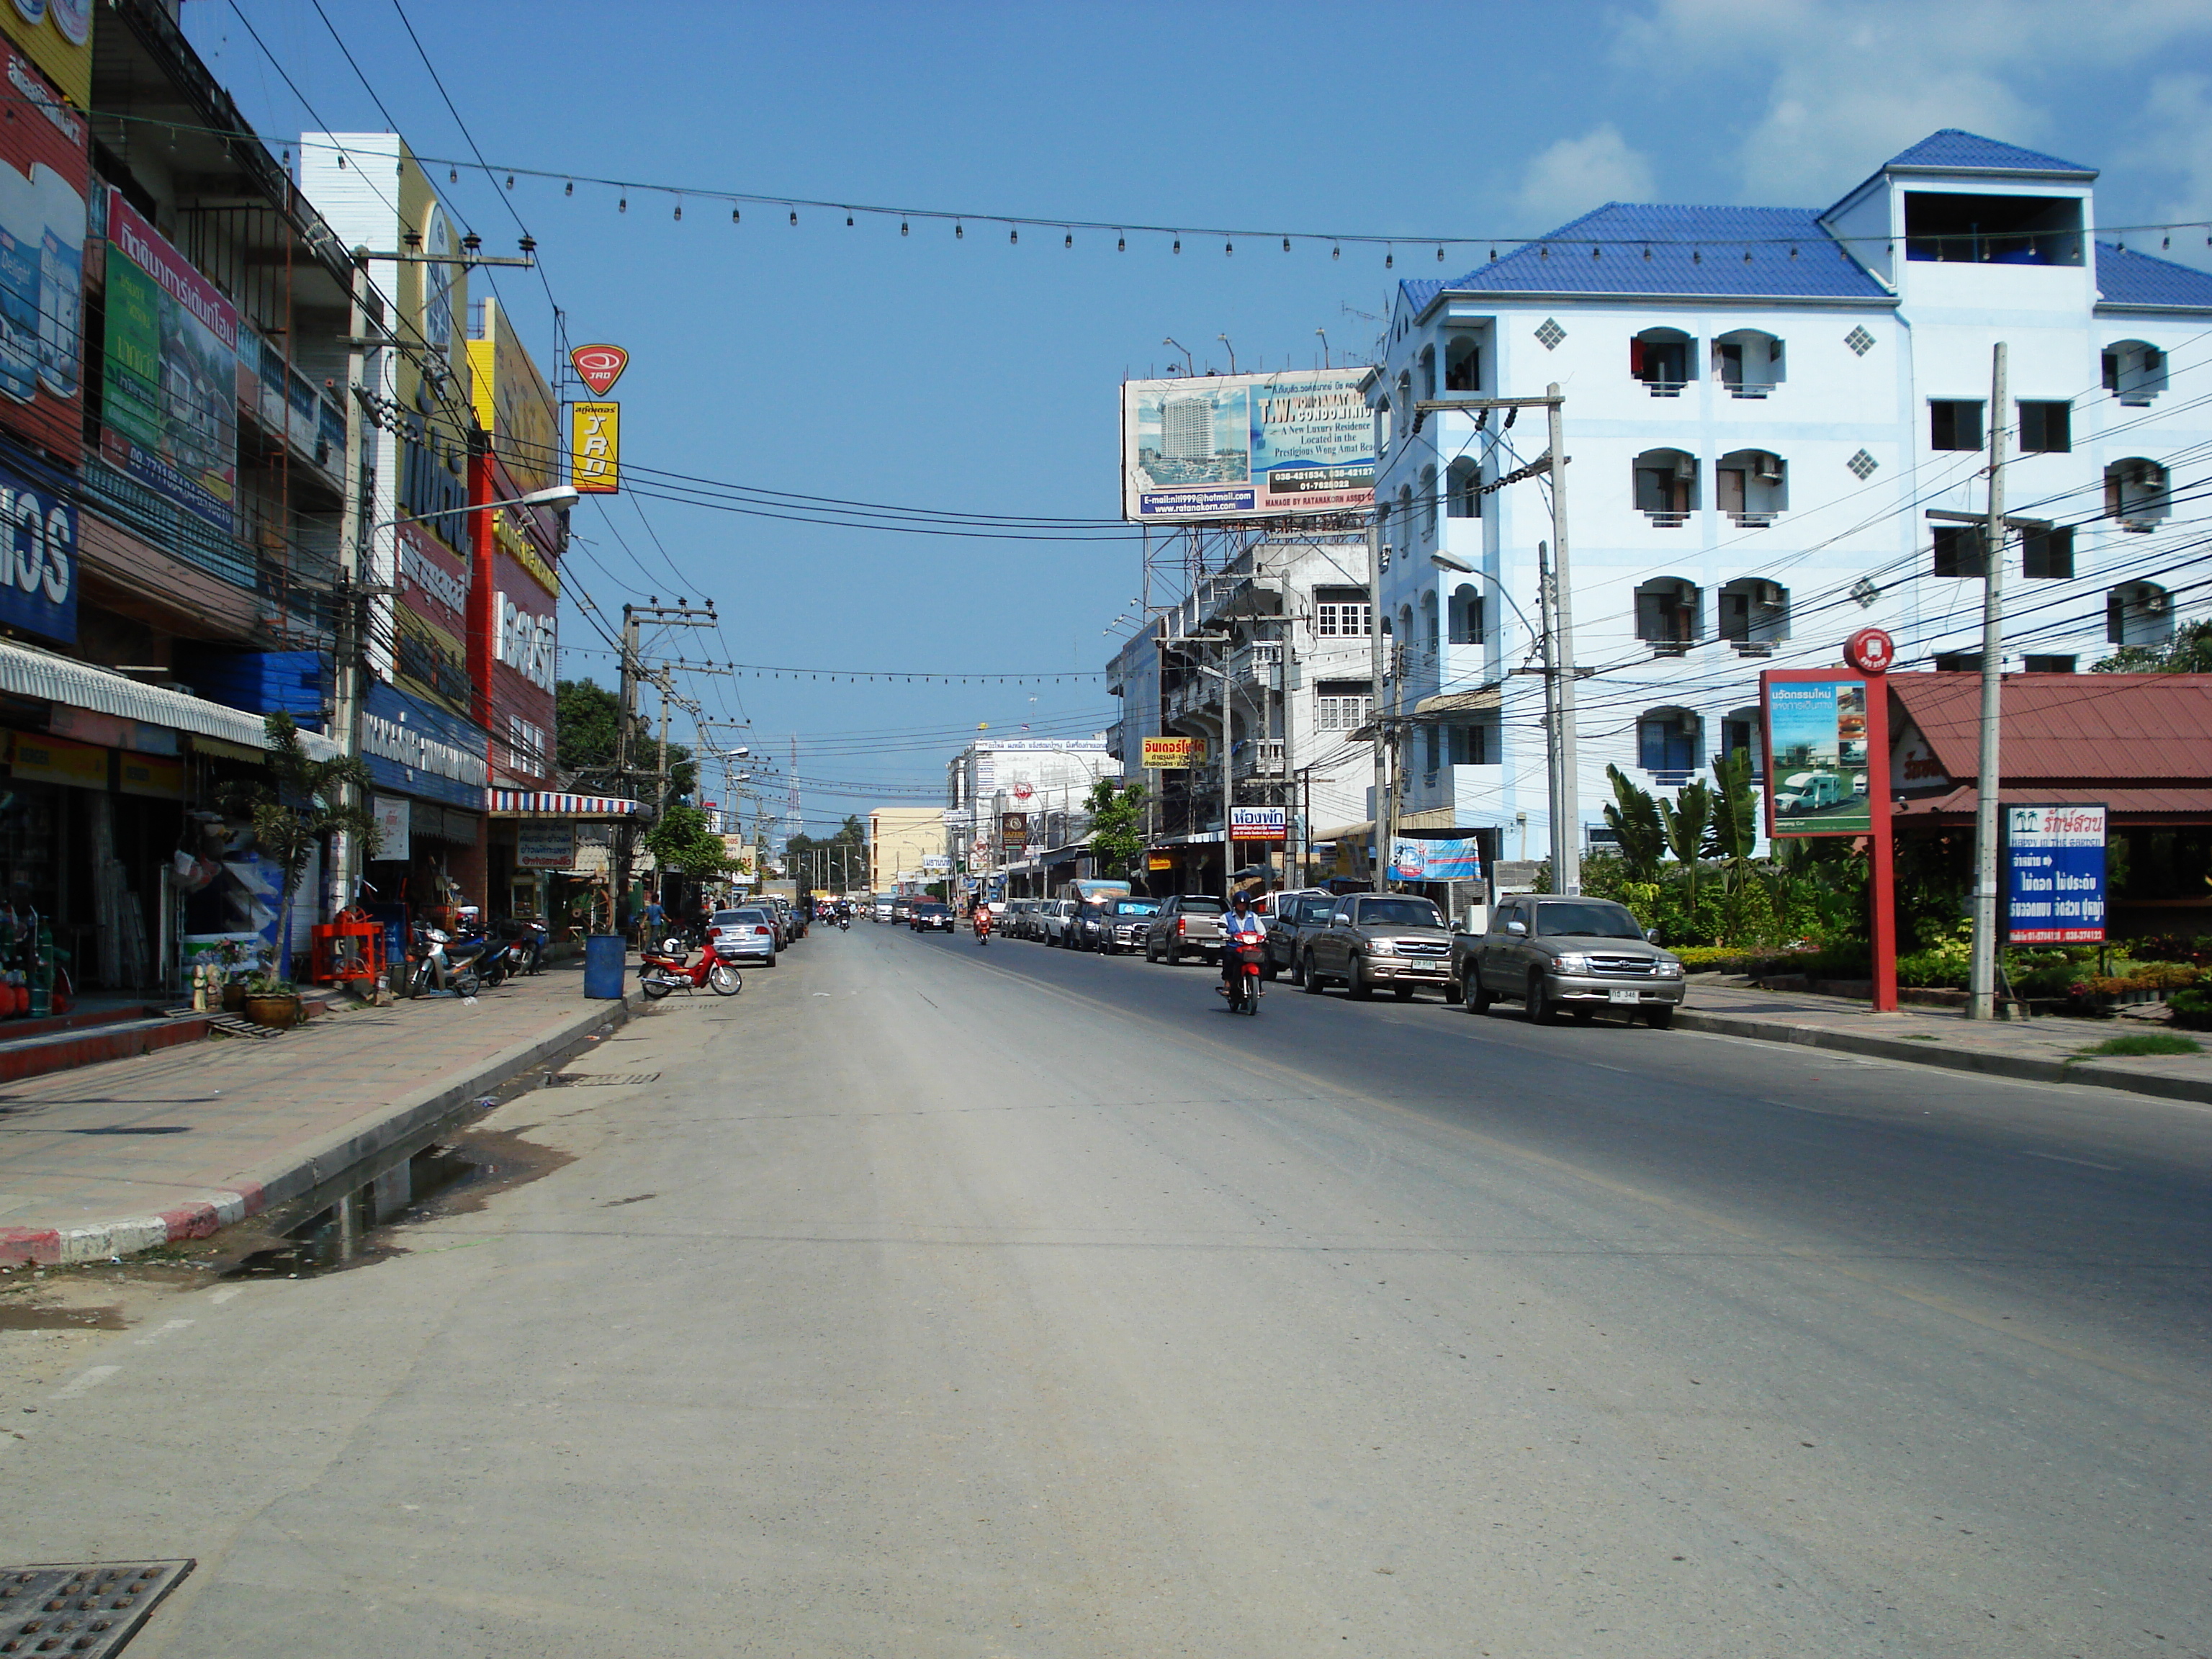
(940, 1300)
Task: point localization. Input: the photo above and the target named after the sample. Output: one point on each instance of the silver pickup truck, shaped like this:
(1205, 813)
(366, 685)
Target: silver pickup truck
(1188, 924)
(1398, 940)
(1577, 955)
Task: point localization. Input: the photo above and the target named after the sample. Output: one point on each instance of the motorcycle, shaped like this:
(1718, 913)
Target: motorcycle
(844, 924)
(1243, 988)
(982, 924)
(662, 971)
(440, 964)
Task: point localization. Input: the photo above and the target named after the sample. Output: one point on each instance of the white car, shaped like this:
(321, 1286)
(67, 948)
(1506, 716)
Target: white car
(882, 911)
(746, 934)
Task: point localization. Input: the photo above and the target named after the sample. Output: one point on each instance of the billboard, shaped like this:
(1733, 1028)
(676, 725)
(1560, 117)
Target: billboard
(56, 36)
(430, 623)
(1816, 755)
(1246, 445)
(1174, 754)
(2054, 875)
(1259, 823)
(42, 236)
(1456, 859)
(1014, 833)
(169, 372)
(38, 556)
(595, 448)
(513, 403)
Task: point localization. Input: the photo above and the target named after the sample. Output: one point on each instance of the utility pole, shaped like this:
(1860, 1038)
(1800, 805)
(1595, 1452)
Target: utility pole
(1377, 670)
(1547, 588)
(347, 645)
(1228, 780)
(1982, 972)
(1566, 847)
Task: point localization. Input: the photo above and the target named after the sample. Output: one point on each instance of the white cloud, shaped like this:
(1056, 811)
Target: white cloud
(1576, 174)
(2180, 111)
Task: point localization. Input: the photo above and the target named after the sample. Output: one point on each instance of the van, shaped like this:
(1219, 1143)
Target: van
(1807, 792)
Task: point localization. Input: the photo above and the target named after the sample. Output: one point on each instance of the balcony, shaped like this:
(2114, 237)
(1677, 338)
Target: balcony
(1259, 757)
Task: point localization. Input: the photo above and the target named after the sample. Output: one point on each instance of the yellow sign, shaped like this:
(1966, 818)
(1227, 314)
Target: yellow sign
(1174, 754)
(595, 448)
(54, 760)
(153, 775)
(1159, 862)
(58, 36)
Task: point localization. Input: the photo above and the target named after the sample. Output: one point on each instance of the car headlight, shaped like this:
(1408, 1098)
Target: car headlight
(1572, 962)
(1382, 947)
(1668, 969)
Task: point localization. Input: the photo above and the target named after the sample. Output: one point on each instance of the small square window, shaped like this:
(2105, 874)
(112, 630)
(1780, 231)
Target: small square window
(2050, 665)
(2046, 428)
(1957, 662)
(1954, 424)
(2048, 555)
(1959, 551)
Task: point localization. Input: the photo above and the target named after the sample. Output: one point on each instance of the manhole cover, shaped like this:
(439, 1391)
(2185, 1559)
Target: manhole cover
(605, 1080)
(87, 1609)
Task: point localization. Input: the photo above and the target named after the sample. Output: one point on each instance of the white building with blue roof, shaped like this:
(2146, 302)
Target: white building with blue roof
(1762, 406)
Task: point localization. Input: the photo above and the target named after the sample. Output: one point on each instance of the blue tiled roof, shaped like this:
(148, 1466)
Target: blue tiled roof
(1626, 247)
(1418, 291)
(2125, 277)
(1969, 152)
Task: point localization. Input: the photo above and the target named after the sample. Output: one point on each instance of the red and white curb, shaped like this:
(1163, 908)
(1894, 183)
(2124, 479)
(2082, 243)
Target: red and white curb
(97, 1240)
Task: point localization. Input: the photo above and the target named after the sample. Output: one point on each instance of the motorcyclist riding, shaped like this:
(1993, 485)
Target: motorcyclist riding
(1240, 927)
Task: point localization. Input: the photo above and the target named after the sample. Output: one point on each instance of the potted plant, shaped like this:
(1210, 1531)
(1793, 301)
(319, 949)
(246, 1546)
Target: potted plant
(230, 953)
(312, 798)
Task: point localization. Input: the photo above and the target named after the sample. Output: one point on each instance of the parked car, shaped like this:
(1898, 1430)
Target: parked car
(746, 933)
(1054, 920)
(1086, 929)
(1187, 923)
(1576, 954)
(1122, 923)
(1371, 939)
(882, 910)
(928, 916)
(1292, 919)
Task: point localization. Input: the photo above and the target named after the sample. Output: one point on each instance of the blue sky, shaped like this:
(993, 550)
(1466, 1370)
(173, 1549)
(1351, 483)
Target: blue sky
(969, 375)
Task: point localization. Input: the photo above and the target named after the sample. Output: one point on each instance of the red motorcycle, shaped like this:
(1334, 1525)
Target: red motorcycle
(982, 924)
(1243, 988)
(662, 971)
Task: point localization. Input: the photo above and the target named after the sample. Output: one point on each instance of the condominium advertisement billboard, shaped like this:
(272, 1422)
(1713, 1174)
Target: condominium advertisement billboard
(1246, 445)
(169, 374)
(1816, 755)
(42, 234)
(2054, 875)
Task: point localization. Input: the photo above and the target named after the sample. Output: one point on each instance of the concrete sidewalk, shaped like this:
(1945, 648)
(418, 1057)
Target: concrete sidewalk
(135, 1153)
(2040, 1050)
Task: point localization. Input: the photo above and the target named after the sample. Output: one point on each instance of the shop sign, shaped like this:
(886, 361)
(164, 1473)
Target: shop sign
(545, 846)
(170, 373)
(110, 730)
(595, 448)
(54, 760)
(1174, 754)
(1159, 861)
(1816, 755)
(151, 775)
(392, 813)
(2054, 875)
(1259, 823)
(599, 367)
(38, 557)
(42, 233)
(58, 35)
(523, 640)
(420, 749)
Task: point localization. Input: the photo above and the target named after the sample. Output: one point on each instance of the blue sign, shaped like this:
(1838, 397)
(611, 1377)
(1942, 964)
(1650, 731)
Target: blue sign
(416, 748)
(2054, 875)
(38, 557)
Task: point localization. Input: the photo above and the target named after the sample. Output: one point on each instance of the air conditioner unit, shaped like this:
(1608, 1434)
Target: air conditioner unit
(1770, 596)
(1685, 467)
(2153, 604)
(1768, 470)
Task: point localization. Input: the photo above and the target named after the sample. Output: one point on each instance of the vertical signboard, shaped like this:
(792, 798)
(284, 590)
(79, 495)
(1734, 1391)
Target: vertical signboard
(430, 657)
(169, 374)
(1246, 445)
(38, 556)
(42, 235)
(1817, 777)
(2054, 875)
(595, 448)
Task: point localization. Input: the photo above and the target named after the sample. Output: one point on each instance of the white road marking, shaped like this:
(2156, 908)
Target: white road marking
(91, 1379)
(156, 1335)
(226, 1293)
(2083, 1163)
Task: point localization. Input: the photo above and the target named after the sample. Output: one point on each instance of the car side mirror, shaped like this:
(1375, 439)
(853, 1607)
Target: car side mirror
(1651, 935)
(1517, 925)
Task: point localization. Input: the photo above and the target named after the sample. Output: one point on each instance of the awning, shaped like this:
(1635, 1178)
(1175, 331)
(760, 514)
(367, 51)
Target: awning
(1482, 699)
(1346, 832)
(552, 803)
(25, 672)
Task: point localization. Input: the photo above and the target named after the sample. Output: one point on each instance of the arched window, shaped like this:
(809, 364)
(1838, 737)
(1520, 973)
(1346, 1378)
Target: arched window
(1740, 729)
(1669, 615)
(2134, 372)
(1428, 371)
(1429, 628)
(2138, 613)
(1467, 616)
(1755, 615)
(1668, 742)
(1660, 357)
(1463, 489)
(1747, 361)
(1666, 482)
(1752, 487)
(1429, 503)
(1406, 398)
(2137, 492)
(1463, 363)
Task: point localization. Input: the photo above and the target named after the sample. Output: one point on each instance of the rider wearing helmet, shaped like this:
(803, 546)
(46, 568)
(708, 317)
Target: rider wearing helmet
(1242, 926)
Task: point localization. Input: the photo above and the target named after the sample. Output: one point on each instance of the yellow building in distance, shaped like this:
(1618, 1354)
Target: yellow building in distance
(899, 838)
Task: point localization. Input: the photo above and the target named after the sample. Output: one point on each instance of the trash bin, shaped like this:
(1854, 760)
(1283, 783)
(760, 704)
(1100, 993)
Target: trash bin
(604, 959)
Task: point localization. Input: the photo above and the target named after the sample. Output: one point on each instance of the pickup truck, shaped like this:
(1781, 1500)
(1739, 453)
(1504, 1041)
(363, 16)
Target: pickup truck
(1575, 954)
(1187, 922)
(1296, 918)
(1397, 940)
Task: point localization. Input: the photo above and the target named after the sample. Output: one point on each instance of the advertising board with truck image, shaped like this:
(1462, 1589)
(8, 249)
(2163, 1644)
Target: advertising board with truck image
(1816, 760)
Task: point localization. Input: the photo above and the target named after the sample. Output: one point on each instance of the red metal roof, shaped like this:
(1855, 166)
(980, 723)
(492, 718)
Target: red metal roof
(2142, 729)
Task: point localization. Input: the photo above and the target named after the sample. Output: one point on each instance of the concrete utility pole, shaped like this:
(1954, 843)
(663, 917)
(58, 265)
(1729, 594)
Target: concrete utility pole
(1547, 587)
(1982, 972)
(347, 645)
(1377, 670)
(1566, 832)
(1228, 780)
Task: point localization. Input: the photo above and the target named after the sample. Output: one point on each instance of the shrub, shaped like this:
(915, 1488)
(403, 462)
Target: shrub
(2191, 1009)
(1924, 969)
(2146, 1042)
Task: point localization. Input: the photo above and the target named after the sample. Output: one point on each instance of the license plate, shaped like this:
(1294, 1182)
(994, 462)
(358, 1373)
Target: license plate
(1620, 995)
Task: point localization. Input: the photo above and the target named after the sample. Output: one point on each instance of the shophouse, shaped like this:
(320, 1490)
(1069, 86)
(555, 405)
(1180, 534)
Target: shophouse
(1769, 413)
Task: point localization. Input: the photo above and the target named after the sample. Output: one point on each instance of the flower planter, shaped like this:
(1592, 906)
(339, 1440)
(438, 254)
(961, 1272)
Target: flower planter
(281, 1010)
(233, 997)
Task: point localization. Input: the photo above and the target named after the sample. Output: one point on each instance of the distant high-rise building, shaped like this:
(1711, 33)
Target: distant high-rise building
(1186, 428)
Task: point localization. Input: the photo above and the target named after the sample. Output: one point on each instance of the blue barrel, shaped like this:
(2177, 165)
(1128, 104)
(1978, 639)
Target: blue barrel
(604, 958)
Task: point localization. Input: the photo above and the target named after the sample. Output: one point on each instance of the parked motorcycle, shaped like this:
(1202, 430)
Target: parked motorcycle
(662, 971)
(1242, 986)
(440, 962)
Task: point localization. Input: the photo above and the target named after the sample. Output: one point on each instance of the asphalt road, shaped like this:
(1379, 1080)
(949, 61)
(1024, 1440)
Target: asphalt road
(940, 1300)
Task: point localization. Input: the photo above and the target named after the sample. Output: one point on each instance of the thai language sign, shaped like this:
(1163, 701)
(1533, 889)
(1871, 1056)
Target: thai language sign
(42, 232)
(1246, 445)
(1258, 823)
(1816, 764)
(1174, 754)
(169, 378)
(2054, 875)
(595, 448)
(1436, 860)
